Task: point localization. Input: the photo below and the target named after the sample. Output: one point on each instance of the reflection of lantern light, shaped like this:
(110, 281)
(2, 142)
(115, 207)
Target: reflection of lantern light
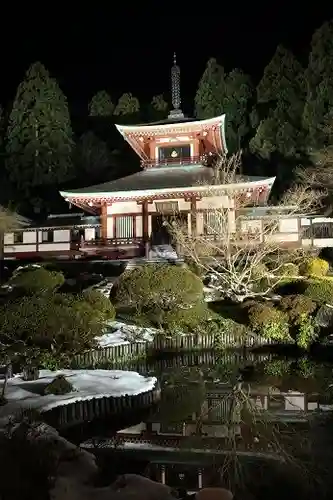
(90, 203)
(181, 476)
(174, 154)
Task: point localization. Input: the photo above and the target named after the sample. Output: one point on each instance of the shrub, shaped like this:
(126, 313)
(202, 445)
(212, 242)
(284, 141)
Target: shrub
(37, 280)
(288, 269)
(160, 286)
(194, 267)
(269, 322)
(58, 386)
(297, 305)
(58, 328)
(184, 320)
(307, 332)
(320, 291)
(315, 267)
(100, 303)
(226, 325)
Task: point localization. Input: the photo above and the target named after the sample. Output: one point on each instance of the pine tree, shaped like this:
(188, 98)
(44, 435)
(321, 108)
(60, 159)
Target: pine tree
(101, 104)
(237, 104)
(281, 96)
(318, 114)
(39, 134)
(211, 89)
(157, 109)
(127, 105)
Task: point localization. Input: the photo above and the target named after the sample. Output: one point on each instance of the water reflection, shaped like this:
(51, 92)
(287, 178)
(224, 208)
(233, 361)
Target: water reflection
(221, 415)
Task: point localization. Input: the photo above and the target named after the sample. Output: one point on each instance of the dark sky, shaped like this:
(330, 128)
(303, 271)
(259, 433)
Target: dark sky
(122, 49)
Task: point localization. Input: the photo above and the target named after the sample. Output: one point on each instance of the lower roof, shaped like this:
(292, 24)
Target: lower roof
(159, 178)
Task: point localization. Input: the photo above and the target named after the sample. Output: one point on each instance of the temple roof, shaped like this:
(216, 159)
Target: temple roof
(170, 125)
(161, 178)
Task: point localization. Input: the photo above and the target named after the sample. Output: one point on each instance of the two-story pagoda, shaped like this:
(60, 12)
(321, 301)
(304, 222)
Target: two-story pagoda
(173, 181)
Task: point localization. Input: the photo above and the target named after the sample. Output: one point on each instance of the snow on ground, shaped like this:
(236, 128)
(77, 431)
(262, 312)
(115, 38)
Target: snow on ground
(163, 253)
(118, 333)
(87, 384)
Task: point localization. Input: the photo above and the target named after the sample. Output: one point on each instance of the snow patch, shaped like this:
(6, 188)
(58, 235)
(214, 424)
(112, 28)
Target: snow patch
(118, 333)
(87, 384)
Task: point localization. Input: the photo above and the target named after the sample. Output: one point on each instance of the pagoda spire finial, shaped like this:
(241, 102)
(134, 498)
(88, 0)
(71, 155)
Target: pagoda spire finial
(176, 112)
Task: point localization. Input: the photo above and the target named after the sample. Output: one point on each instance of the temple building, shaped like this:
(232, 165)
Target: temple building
(126, 218)
(174, 181)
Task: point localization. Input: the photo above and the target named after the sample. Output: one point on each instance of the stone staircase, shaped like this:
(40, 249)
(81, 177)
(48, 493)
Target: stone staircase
(162, 254)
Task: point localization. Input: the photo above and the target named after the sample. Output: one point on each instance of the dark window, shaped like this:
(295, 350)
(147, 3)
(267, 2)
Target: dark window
(47, 237)
(18, 237)
(174, 154)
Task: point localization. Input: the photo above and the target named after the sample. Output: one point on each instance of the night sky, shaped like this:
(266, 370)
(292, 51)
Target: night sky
(125, 50)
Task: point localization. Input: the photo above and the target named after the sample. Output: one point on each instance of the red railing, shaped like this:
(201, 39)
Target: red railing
(192, 160)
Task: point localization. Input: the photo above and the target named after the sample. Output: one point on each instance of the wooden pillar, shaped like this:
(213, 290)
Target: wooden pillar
(145, 228)
(199, 479)
(162, 474)
(104, 220)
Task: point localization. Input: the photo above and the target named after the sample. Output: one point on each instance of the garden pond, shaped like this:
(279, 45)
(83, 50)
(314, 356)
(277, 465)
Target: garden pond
(219, 417)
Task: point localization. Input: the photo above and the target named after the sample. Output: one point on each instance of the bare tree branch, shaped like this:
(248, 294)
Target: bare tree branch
(236, 248)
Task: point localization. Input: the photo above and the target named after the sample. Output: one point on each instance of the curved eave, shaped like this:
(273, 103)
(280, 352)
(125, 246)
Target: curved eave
(170, 127)
(209, 189)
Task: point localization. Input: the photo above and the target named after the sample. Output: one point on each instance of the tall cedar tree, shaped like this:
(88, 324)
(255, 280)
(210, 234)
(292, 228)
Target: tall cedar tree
(318, 114)
(281, 98)
(92, 155)
(39, 134)
(231, 94)
(127, 105)
(101, 104)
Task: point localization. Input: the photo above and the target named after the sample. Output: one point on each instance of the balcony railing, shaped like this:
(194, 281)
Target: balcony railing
(111, 242)
(192, 160)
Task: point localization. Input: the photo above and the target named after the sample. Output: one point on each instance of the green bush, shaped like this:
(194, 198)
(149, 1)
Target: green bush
(194, 267)
(193, 319)
(296, 306)
(59, 386)
(100, 303)
(315, 267)
(221, 325)
(37, 281)
(288, 269)
(307, 332)
(269, 322)
(320, 291)
(157, 286)
(59, 328)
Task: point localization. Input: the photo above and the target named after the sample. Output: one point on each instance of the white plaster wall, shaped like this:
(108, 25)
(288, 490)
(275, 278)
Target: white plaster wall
(9, 239)
(29, 237)
(19, 248)
(288, 225)
(200, 224)
(215, 202)
(282, 237)
(109, 225)
(89, 233)
(54, 247)
(61, 235)
(124, 207)
(138, 226)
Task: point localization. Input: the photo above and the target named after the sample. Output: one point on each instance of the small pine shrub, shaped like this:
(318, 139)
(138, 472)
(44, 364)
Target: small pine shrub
(296, 306)
(288, 269)
(161, 286)
(315, 267)
(269, 322)
(100, 303)
(307, 332)
(320, 291)
(59, 386)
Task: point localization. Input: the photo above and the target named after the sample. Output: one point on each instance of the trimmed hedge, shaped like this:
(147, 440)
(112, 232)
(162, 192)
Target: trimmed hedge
(320, 291)
(156, 286)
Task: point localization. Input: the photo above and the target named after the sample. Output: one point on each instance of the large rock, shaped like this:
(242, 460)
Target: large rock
(324, 317)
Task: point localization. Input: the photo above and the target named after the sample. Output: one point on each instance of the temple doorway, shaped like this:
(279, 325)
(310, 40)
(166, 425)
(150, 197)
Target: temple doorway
(160, 228)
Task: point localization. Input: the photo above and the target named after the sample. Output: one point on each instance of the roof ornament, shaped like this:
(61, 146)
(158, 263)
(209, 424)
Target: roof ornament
(176, 112)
